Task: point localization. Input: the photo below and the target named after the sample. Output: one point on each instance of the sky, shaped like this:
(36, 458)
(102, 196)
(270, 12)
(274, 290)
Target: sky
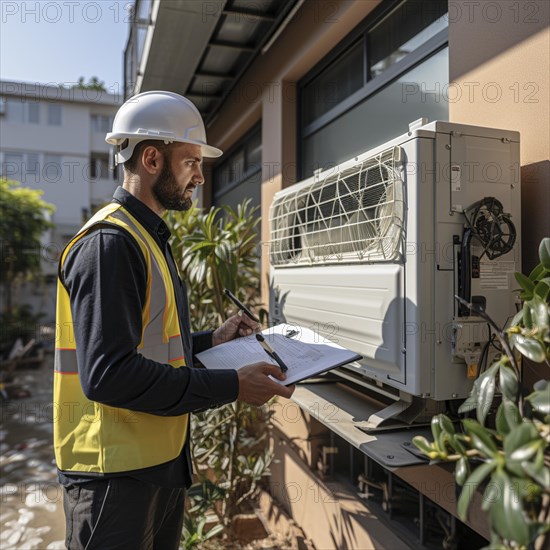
(60, 40)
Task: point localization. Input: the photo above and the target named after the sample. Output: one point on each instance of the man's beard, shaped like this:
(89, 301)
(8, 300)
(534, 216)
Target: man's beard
(166, 189)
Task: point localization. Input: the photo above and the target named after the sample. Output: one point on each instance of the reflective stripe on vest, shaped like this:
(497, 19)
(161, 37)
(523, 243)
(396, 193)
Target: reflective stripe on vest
(90, 437)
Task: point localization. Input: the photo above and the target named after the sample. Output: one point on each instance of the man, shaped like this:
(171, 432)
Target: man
(124, 381)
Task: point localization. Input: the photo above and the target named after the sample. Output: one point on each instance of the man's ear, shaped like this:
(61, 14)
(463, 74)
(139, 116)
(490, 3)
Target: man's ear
(151, 160)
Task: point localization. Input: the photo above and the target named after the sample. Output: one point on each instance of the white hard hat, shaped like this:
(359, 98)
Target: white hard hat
(158, 115)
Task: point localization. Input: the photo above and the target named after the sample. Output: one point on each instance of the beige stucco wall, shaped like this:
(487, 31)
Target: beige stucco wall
(499, 60)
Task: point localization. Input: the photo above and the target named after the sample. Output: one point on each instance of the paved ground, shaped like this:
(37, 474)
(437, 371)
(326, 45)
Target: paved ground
(31, 501)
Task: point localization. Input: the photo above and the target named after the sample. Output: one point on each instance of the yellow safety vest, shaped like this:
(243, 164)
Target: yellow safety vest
(90, 437)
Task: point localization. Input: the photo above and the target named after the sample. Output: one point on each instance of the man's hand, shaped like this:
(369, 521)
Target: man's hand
(236, 325)
(255, 386)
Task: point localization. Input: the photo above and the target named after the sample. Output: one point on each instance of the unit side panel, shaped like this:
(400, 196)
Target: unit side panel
(419, 265)
(491, 168)
(450, 374)
(469, 169)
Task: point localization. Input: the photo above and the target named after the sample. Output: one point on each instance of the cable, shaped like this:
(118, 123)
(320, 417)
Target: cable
(483, 357)
(491, 226)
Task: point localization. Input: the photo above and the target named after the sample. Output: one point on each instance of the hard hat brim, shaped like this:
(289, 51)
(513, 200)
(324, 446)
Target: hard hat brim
(208, 151)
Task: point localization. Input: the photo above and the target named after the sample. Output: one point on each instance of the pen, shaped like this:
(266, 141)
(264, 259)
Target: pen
(271, 352)
(240, 305)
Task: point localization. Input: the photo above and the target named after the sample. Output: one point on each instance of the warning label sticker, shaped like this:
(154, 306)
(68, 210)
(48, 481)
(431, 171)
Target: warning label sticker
(495, 274)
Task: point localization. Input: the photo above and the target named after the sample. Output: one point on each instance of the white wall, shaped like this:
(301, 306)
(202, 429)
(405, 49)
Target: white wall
(71, 189)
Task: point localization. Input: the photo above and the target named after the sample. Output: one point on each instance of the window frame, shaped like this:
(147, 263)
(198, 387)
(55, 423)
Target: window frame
(370, 86)
(248, 172)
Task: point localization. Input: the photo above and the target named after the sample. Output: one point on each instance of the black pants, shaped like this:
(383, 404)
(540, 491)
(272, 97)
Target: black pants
(123, 513)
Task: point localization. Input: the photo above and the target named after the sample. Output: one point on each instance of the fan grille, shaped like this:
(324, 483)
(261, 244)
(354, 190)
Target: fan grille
(353, 216)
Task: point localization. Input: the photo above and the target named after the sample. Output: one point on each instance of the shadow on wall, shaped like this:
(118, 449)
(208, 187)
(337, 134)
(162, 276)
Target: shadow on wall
(535, 198)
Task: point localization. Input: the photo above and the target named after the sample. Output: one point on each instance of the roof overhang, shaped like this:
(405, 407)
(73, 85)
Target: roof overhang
(178, 38)
(202, 49)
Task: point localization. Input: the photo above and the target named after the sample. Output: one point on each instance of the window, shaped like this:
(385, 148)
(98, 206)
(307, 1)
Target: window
(32, 168)
(402, 31)
(15, 110)
(355, 98)
(23, 167)
(52, 170)
(54, 114)
(380, 117)
(100, 167)
(101, 123)
(12, 166)
(339, 80)
(21, 111)
(33, 113)
(238, 176)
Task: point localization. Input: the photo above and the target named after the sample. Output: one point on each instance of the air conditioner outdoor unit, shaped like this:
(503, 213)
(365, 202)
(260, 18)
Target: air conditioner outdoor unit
(372, 253)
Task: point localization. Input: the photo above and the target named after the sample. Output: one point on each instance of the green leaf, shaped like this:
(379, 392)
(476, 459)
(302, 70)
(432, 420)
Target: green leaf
(470, 404)
(526, 284)
(436, 428)
(520, 435)
(456, 443)
(216, 530)
(481, 438)
(525, 452)
(525, 295)
(542, 289)
(544, 253)
(470, 485)
(541, 385)
(461, 470)
(508, 382)
(538, 310)
(518, 317)
(530, 348)
(506, 510)
(527, 312)
(258, 467)
(537, 272)
(540, 399)
(442, 444)
(424, 446)
(486, 393)
(475, 399)
(541, 476)
(507, 417)
(202, 245)
(446, 424)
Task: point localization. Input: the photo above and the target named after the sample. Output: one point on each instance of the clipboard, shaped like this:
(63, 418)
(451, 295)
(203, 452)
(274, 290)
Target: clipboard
(306, 353)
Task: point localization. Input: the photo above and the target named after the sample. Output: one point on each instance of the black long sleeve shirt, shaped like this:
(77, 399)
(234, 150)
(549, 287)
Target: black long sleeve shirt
(105, 276)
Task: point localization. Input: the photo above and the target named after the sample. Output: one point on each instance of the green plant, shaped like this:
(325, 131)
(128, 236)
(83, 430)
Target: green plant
(23, 220)
(216, 250)
(230, 448)
(203, 497)
(93, 84)
(509, 455)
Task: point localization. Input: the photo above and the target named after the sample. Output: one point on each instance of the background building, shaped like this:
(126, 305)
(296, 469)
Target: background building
(288, 87)
(53, 138)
